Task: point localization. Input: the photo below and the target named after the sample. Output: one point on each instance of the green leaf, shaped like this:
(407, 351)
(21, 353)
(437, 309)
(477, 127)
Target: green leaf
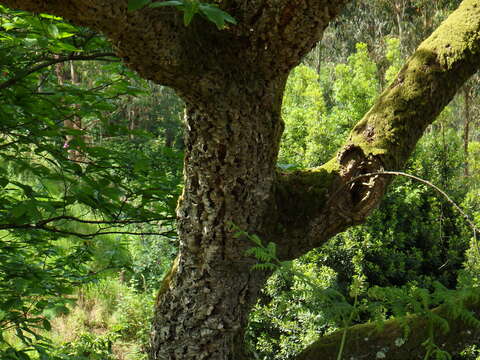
(65, 34)
(51, 17)
(136, 4)
(46, 325)
(9, 26)
(19, 210)
(30, 41)
(166, 3)
(53, 31)
(60, 45)
(216, 15)
(190, 8)
(3, 182)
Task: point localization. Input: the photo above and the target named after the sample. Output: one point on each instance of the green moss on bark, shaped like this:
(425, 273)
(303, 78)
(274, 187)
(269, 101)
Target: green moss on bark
(168, 279)
(302, 193)
(398, 339)
(424, 86)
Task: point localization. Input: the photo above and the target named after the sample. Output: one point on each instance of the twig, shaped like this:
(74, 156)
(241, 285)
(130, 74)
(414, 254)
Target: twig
(428, 183)
(42, 225)
(100, 222)
(24, 74)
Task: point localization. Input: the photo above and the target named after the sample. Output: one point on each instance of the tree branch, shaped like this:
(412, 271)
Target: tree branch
(55, 230)
(281, 32)
(389, 341)
(23, 74)
(271, 37)
(423, 181)
(98, 222)
(150, 40)
(319, 200)
(43, 225)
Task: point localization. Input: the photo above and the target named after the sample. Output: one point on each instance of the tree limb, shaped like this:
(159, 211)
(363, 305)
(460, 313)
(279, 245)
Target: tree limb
(44, 225)
(23, 74)
(284, 30)
(99, 222)
(100, 232)
(271, 37)
(149, 40)
(399, 339)
(467, 218)
(318, 199)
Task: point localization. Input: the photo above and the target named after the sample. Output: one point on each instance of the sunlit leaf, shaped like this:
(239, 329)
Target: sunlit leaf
(53, 30)
(216, 15)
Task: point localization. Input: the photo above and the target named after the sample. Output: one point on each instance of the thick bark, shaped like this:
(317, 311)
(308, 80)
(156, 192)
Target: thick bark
(271, 37)
(232, 81)
(202, 311)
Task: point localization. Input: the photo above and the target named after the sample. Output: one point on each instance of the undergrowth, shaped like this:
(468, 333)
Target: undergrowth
(110, 321)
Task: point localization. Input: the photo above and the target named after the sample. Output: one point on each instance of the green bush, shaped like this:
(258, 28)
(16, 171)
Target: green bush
(88, 347)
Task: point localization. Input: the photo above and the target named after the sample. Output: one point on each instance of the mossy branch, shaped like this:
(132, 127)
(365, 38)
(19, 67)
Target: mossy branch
(382, 141)
(389, 341)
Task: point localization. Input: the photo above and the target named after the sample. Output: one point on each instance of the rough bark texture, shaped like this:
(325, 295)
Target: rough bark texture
(204, 311)
(232, 81)
(272, 36)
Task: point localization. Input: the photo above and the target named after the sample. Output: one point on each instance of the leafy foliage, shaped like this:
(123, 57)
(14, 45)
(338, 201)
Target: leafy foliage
(313, 130)
(190, 8)
(88, 347)
(302, 111)
(68, 198)
(78, 160)
(298, 303)
(415, 241)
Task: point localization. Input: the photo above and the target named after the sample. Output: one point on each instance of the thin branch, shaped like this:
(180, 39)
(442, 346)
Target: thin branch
(81, 235)
(99, 222)
(98, 57)
(428, 183)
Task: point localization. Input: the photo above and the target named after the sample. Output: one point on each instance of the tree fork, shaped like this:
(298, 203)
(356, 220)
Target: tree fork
(383, 140)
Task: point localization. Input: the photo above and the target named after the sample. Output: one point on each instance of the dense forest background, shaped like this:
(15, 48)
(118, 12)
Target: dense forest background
(91, 170)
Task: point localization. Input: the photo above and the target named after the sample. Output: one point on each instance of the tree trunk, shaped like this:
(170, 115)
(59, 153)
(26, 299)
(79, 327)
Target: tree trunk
(64, 75)
(202, 310)
(466, 126)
